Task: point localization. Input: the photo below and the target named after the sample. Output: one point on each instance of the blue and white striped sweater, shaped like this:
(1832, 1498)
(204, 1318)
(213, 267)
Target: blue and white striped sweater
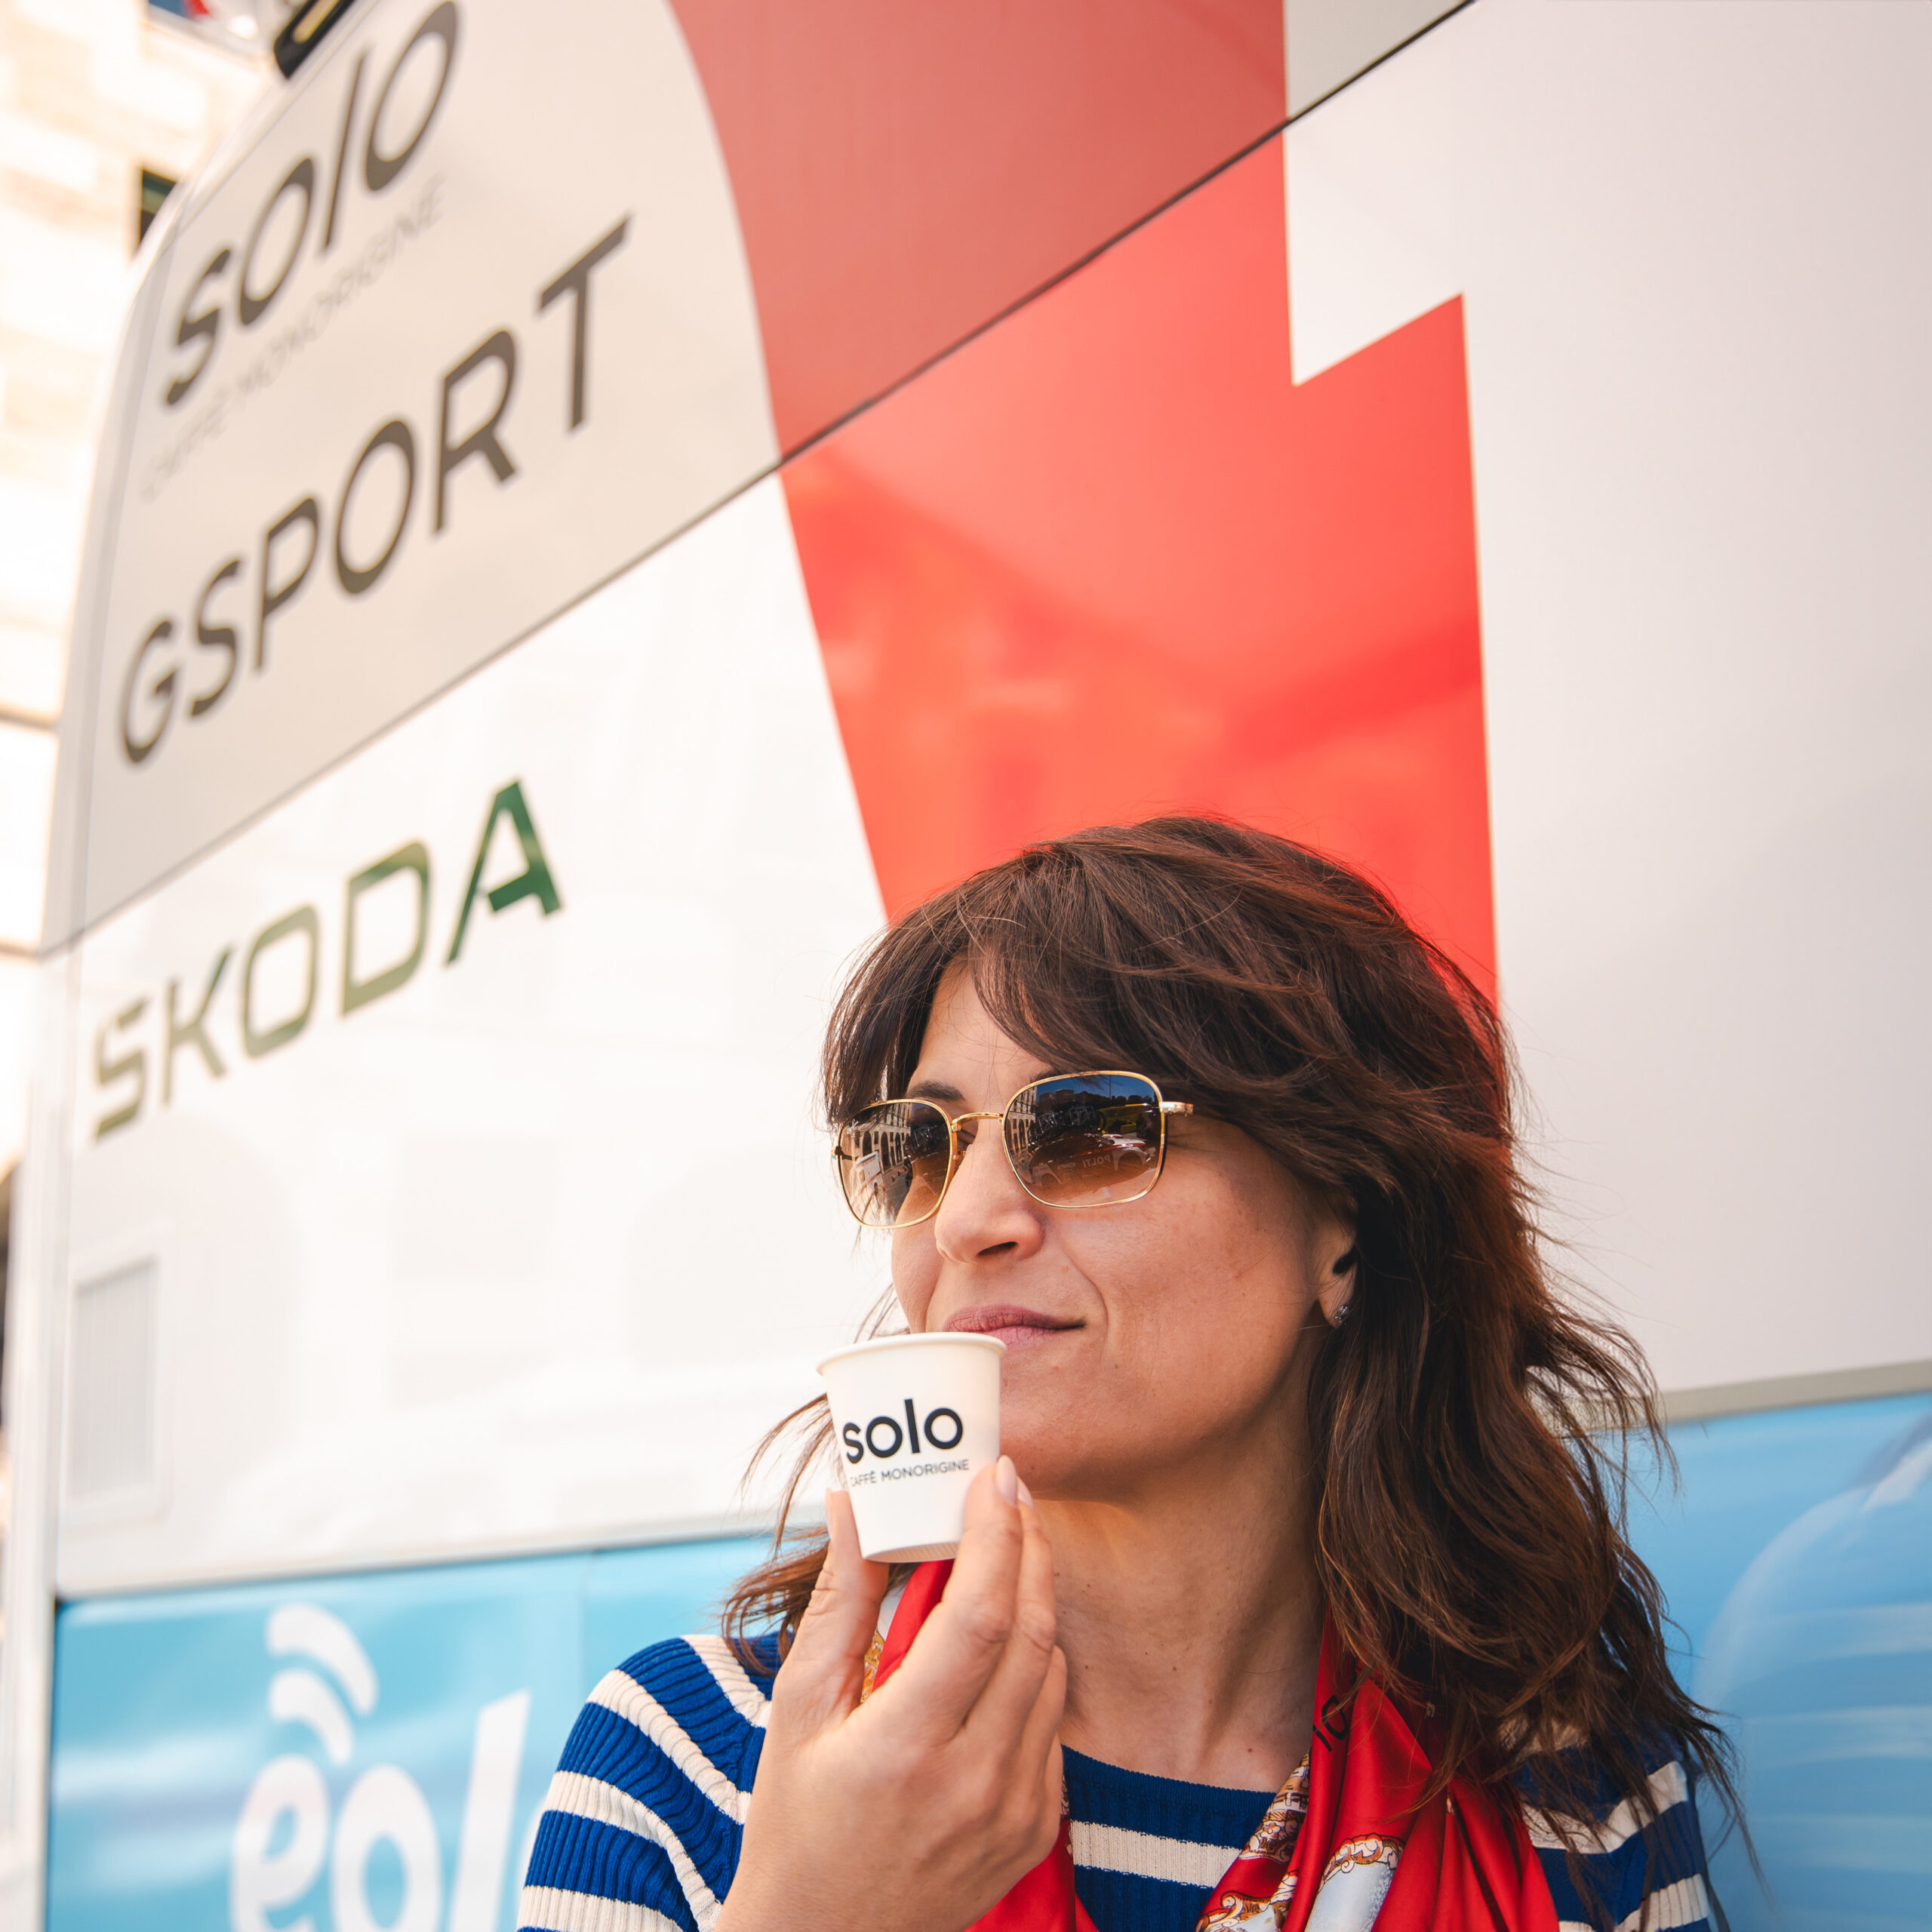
(643, 1819)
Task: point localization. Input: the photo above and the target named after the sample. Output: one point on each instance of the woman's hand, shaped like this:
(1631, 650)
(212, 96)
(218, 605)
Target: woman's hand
(920, 1808)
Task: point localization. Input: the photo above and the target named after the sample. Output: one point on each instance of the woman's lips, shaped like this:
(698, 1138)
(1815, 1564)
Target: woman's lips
(1017, 1328)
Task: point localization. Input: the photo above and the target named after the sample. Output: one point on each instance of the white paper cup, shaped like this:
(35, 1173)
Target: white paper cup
(916, 1417)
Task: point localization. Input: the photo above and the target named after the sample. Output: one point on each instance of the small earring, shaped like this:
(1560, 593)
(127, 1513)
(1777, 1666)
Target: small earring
(1340, 1315)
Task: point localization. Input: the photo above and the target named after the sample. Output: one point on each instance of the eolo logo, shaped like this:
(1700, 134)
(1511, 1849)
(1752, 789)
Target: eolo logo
(285, 1837)
(882, 1437)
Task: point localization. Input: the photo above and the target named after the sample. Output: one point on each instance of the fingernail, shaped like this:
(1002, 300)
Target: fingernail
(1025, 1495)
(1007, 1478)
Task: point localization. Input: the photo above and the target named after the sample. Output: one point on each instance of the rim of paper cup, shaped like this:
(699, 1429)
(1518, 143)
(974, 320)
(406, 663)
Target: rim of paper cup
(884, 1342)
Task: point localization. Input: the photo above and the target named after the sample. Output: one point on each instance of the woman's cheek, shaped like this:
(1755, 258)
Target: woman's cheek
(914, 1272)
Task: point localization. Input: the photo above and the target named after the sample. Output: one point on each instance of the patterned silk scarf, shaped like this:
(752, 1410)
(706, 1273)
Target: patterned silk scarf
(1345, 1846)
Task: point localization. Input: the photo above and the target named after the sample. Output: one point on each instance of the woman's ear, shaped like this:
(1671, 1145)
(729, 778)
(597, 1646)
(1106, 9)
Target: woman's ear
(1335, 1276)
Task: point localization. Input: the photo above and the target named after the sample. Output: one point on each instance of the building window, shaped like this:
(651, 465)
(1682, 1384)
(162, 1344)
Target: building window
(240, 26)
(154, 189)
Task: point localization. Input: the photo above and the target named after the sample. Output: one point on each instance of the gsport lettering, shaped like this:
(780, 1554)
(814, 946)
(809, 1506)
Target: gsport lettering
(886, 1436)
(184, 662)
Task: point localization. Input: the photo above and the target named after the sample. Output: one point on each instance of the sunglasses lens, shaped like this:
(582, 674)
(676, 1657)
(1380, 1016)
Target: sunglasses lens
(892, 1160)
(1087, 1139)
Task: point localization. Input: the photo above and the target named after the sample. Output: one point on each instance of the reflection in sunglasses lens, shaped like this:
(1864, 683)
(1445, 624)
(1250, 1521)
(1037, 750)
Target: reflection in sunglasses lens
(892, 1160)
(1087, 1139)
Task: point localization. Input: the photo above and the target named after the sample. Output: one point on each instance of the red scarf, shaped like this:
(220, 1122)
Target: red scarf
(1347, 1829)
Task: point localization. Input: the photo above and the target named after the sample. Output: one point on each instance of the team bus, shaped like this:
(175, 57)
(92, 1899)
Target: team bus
(600, 504)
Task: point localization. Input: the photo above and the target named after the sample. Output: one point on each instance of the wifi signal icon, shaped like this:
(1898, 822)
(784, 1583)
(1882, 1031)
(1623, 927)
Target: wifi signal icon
(300, 1697)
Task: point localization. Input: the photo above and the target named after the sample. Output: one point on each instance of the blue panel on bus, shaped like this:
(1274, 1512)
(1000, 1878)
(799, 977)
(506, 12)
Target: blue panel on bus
(351, 1752)
(359, 1750)
(1797, 1557)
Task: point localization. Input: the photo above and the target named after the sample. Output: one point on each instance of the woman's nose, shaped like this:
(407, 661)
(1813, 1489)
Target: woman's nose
(986, 1212)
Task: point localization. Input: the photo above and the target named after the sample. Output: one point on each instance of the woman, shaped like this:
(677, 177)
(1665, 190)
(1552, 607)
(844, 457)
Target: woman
(1301, 1599)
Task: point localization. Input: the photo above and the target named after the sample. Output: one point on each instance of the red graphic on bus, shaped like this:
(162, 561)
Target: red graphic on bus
(1107, 559)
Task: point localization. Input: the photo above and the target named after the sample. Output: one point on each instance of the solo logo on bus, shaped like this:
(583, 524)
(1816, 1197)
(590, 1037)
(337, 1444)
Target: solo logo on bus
(272, 250)
(882, 1437)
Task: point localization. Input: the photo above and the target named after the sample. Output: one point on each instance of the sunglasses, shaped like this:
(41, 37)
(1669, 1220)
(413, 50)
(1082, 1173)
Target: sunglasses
(1075, 1140)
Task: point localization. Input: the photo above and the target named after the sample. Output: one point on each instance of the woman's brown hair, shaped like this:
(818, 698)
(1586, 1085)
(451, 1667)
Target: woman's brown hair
(1467, 1421)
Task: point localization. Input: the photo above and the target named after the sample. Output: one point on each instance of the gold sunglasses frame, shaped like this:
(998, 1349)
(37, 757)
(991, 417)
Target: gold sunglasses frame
(1163, 1108)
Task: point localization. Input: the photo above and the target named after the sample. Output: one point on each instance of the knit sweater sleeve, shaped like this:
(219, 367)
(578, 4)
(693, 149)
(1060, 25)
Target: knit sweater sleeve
(643, 1819)
(1636, 1870)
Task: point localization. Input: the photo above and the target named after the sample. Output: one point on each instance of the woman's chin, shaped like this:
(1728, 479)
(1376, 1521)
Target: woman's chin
(1058, 1453)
